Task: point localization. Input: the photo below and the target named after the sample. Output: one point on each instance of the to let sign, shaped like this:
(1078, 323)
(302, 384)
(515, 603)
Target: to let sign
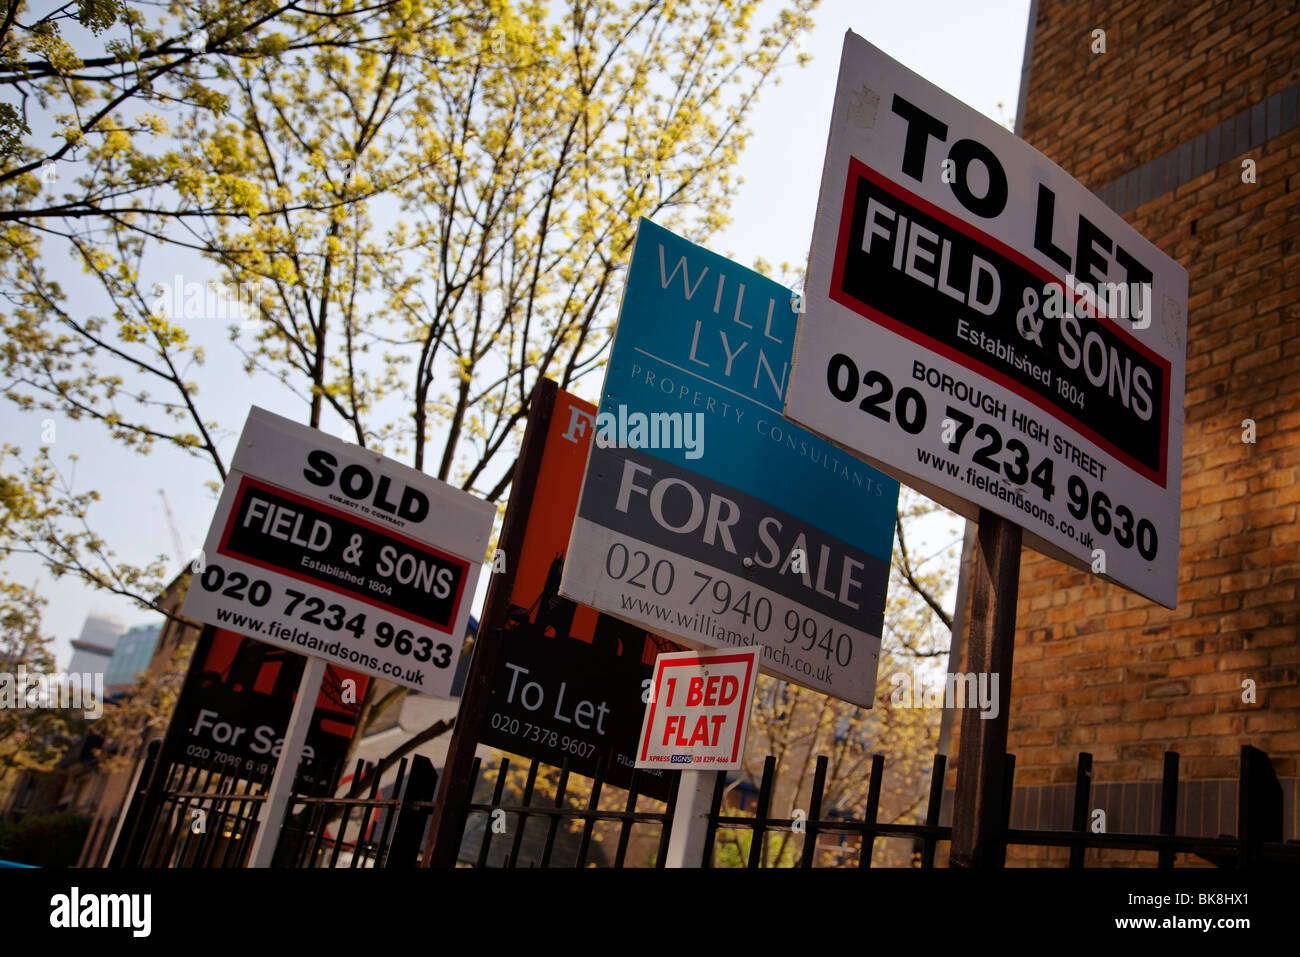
(698, 713)
(331, 550)
(982, 326)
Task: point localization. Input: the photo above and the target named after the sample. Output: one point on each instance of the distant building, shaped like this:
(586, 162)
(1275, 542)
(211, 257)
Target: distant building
(81, 783)
(130, 657)
(93, 650)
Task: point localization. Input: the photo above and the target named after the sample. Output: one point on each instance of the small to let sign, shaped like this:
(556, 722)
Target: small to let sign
(571, 683)
(698, 712)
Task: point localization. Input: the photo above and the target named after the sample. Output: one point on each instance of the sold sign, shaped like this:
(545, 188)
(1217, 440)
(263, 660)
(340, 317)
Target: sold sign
(698, 711)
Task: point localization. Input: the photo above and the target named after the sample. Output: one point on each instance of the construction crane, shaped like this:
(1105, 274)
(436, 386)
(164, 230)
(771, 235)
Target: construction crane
(171, 523)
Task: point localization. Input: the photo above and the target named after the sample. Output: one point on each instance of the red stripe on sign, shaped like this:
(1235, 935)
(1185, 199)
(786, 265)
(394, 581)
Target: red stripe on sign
(247, 483)
(859, 169)
(749, 677)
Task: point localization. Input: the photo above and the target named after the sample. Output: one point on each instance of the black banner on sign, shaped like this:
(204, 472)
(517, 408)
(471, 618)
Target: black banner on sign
(234, 708)
(283, 532)
(975, 301)
(841, 581)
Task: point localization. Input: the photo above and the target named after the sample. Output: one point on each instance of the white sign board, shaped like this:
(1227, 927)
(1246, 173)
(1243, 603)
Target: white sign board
(698, 713)
(331, 550)
(982, 326)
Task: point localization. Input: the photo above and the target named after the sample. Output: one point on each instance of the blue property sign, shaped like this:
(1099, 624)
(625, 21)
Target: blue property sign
(706, 515)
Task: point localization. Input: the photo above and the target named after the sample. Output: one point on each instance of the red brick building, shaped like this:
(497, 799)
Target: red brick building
(1161, 126)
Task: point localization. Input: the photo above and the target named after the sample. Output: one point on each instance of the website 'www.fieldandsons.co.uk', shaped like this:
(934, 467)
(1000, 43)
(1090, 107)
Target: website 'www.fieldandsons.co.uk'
(336, 650)
(1178, 921)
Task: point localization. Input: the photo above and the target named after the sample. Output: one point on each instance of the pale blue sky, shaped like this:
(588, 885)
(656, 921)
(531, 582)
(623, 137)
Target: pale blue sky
(971, 48)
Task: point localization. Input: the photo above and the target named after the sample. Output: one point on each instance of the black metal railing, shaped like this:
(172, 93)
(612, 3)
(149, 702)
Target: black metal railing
(511, 820)
(319, 830)
(203, 816)
(1258, 840)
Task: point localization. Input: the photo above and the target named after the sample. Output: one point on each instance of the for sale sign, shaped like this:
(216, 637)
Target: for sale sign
(706, 516)
(698, 713)
(234, 707)
(331, 550)
(984, 327)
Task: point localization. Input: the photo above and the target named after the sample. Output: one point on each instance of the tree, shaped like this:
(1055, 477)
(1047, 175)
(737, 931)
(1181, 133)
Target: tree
(426, 204)
(34, 735)
(524, 150)
(138, 62)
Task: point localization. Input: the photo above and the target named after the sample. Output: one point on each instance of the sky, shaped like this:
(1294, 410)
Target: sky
(971, 49)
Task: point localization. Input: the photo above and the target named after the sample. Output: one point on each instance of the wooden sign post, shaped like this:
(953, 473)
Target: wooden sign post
(982, 798)
(455, 784)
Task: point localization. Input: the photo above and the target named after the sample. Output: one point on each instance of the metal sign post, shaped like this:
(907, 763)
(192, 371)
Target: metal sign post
(690, 820)
(455, 784)
(286, 768)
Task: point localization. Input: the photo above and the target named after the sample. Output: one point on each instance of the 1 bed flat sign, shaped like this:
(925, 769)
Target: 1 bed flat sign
(707, 517)
(981, 325)
(698, 713)
(331, 550)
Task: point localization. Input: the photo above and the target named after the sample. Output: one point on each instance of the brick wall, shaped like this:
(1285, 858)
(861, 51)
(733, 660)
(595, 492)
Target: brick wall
(1159, 125)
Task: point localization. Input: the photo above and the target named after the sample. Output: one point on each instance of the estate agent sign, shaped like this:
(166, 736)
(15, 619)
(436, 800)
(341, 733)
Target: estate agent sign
(332, 550)
(705, 515)
(984, 327)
